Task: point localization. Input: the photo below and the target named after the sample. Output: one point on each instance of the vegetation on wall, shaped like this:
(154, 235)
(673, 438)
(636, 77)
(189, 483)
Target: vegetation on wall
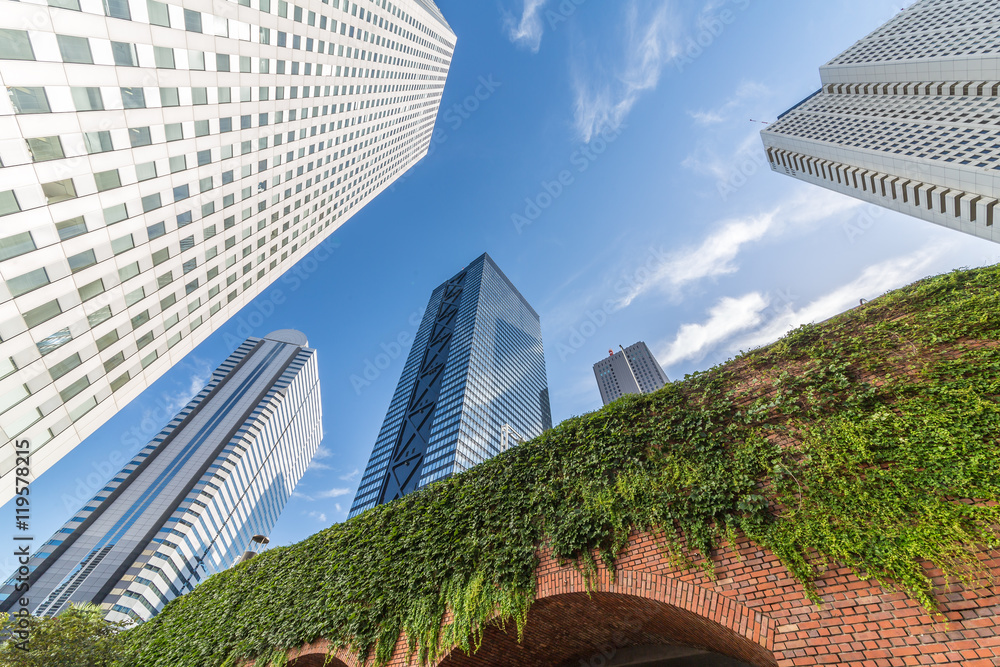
(870, 440)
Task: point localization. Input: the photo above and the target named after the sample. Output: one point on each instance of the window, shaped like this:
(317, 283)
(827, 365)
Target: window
(124, 54)
(14, 45)
(28, 282)
(160, 256)
(144, 340)
(201, 128)
(169, 97)
(42, 313)
(205, 184)
(190, 287)
(156, 231)
(140, 319)
(187, 243)
(98, 316)
(158, 14)
(75, 49)
(225, 125)
(133, 98)
(139, 136)
(18, 244)
(107, 340)
(8, 203)
(55, 341)
(74, 389)
(45, 148)
(14, 396)
(60, 369)
(163, 56)
(204, 157)
(165, 279)
(192, 21)
(135, 296)
(81, 261)
(222, 62)
(87, 99)
(151, 202)
(120, 381)
(190, 265)
(29, 100)
(181, 192)
(58, 191)
(115, 214)
(71, 228)
(178, 163)
(168, 301)
(128, 272)
(117, 9)
(97, 142)
(114, 362)
(90, 290)
(107, 180)
(122, 244)
(145, 171)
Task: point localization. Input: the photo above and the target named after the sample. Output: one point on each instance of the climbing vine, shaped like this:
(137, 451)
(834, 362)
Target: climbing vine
(870, 441)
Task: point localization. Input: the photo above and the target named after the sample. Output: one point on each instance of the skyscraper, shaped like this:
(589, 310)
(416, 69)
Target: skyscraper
(189, 503)
(908, 118)
(633, 371)
(163, 163)
(476, 366)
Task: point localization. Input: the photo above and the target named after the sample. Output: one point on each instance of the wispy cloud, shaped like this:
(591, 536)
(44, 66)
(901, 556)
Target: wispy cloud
(319, 516)
(745, 92)
(716, 255)
(873, 281)
(728, 317)
(332, 493)
(351, 475)
(650, 43)
(529, 29)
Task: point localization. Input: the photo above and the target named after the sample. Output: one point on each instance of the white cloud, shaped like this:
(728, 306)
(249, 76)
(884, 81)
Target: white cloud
(333, 493)
(745, 92)
(728, 317)
(319, 516)
(716, 255)
(351, 475)
(873, 282)
(603, 102)
(529, 29)
(338, 507)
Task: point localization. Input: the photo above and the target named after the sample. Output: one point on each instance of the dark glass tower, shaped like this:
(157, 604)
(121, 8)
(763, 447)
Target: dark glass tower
(476, 367)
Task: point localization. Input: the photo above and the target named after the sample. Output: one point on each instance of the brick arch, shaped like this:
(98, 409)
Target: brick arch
(567, 625)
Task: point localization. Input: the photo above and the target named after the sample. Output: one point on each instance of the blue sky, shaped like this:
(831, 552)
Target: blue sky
(606, 155)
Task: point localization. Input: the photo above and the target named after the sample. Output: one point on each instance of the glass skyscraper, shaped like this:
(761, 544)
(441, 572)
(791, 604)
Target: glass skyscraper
(476, 367)
(190, 502)
(164, 162)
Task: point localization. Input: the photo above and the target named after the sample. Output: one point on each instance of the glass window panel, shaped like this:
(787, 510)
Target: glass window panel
(222, 62)
(122, 244)
(13, 396)
(97, 142)
(192, 21)
(74, 49)
(81, 261)
(204, 157)
(90, 290)
(74, 389)
(151, 202)
(114, 214)
(133, 98)
(42, 313)
(144, 340)
(28, 282)
(29, 100)
(178, 163)
(114, 362)
(45, 148)
(169, 97)
(87, 99)
(98, 316)
(60, 369)
(163, 57)
(124, 54)
(225, 95)
(139, 136)
(107, 340)
(128, 272)
(55, 341)
(196, 61)
(107, 180)
(135, 296)
(119, 381)
(58, 191)
(82, 409)
(160, 256)
(158, 14)
(201, 128)
(165, 279)
(15, 245)
(187, 243)
(184, 219)
(14, 45)
(225, 125)
(8, 203)
(156, 231)
(117, 9)
(145, 171)
(181, 192)
(71, 228)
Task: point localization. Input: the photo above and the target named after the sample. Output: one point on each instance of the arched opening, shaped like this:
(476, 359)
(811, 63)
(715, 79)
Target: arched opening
(316, 659)
(605, 629)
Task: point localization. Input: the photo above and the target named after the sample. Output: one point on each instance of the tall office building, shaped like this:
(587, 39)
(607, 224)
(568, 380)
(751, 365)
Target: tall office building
(164, 162)
(632, 371)
(476, 368)
(908, 118)
(188, 505)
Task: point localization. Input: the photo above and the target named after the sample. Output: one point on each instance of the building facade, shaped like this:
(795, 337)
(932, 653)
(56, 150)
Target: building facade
(631, 371)
(190, 502)
(477, 365)
(164, 162)
(908, 118)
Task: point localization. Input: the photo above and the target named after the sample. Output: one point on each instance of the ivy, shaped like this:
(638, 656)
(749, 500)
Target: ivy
(869, 440)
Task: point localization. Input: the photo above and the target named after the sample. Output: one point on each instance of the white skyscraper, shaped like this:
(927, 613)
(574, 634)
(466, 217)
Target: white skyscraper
(164, 162)
(633, 370)
(908, 118)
